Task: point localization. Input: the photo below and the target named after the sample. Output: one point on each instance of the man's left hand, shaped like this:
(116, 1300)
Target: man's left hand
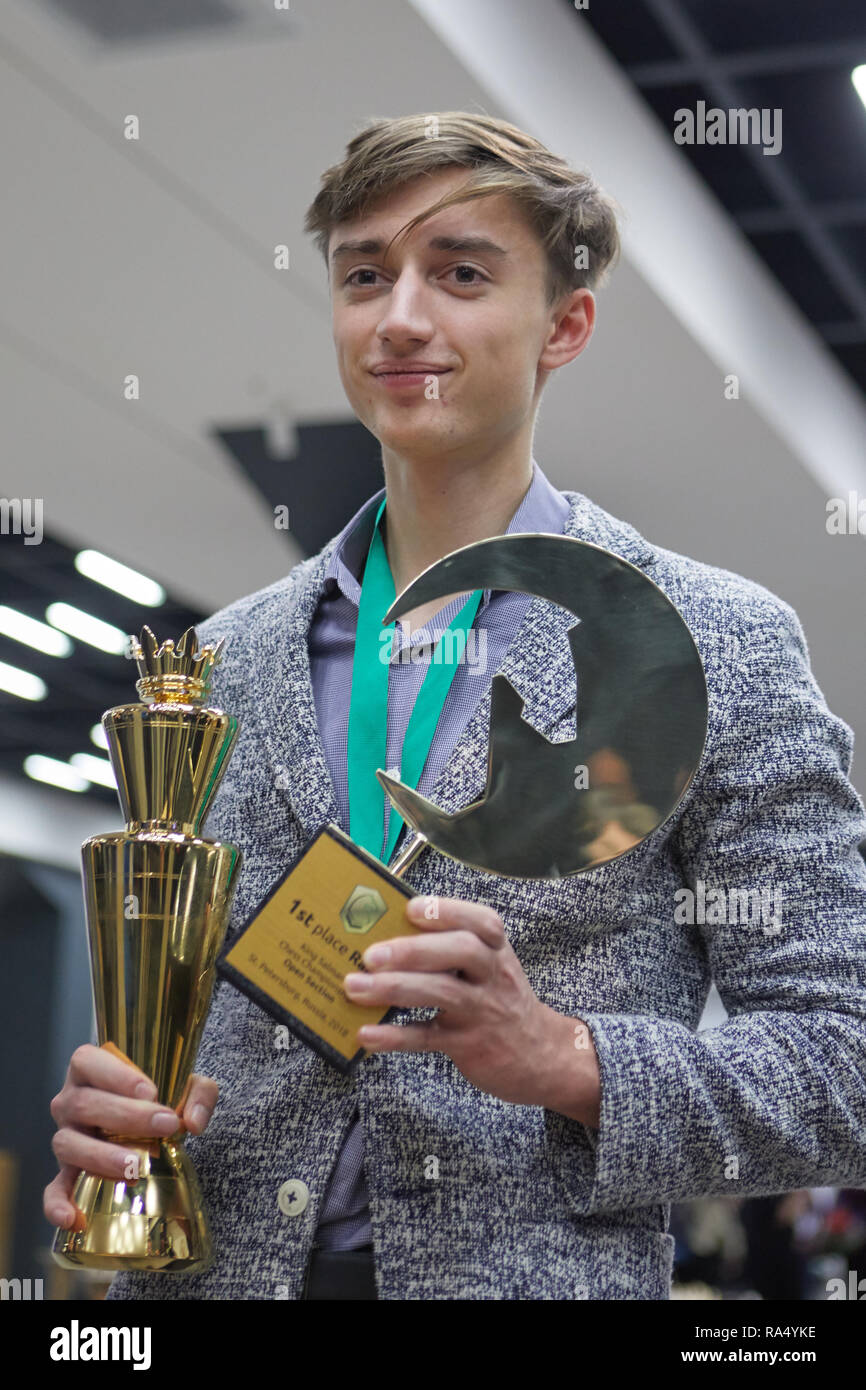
(491, 1023)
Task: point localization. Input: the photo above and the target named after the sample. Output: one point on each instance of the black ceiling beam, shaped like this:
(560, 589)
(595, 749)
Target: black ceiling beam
(708, 70)
(845, 212)
(787, 58)
(338, 466)
(842, 334)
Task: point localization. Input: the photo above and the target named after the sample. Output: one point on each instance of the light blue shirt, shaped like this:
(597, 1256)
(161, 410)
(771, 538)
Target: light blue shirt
(345, 1221)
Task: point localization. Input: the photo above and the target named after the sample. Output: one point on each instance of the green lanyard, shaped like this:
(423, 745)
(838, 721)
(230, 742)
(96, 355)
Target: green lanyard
(368, 713)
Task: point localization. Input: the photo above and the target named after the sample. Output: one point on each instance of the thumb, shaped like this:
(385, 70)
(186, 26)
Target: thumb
(199, 1103)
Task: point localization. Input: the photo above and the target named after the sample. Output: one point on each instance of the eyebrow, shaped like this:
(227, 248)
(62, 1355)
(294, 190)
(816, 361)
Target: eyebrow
(467, 244)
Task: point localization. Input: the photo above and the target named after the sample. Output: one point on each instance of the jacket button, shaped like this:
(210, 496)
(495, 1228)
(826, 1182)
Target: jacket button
(293, 1197)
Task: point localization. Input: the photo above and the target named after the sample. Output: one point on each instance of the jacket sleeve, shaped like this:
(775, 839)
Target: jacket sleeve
(774, 1099)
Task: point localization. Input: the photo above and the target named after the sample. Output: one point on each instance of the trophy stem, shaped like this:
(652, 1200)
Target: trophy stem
(408, 854)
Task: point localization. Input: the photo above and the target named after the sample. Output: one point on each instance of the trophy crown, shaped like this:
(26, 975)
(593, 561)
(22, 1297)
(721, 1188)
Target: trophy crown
(174, 672)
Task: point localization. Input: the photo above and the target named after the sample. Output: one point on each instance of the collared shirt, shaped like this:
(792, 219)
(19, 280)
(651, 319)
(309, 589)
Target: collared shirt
(345, 1221)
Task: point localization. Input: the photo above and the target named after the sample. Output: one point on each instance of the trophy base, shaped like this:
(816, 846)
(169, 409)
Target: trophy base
(155, 1223)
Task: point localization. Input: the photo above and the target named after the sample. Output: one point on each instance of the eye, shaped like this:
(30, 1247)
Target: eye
(472, 270)
(368, 270)
(365, 270)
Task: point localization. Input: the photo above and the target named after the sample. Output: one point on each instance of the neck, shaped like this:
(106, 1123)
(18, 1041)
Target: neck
(433, 510)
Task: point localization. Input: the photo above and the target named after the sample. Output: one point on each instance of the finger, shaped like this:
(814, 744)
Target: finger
(200, 1103)
(82, 1151)
(57, 1202)
(462, 951)
(93, 1066)
(453, 914)
(392, 1037)
(416, 990)
(84, 1107)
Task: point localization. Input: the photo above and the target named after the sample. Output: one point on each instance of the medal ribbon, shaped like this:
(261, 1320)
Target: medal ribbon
(368, 711)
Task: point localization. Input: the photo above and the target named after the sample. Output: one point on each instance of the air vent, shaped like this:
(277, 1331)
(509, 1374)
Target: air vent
(126, 21)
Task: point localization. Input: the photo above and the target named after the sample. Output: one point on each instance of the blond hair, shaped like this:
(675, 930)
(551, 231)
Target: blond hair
(566, 209)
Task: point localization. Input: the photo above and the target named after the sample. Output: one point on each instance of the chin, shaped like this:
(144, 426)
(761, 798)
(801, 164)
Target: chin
(414, 438)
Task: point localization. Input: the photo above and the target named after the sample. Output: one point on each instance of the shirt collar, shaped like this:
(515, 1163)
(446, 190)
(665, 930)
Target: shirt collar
(543, 508)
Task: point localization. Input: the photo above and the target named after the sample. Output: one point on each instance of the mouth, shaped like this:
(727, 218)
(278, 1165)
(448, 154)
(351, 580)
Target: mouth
(409, 378)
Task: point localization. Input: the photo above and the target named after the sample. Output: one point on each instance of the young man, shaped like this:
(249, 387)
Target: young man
(526, 1140)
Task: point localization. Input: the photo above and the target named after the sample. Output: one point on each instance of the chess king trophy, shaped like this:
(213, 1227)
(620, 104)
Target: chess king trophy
(157, 898)
(549, 809)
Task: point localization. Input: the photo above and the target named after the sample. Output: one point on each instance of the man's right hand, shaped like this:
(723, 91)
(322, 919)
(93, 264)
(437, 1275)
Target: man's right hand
(101, 1093)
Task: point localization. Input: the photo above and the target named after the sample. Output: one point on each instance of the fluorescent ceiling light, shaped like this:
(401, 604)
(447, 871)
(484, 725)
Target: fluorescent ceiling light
(22, 683)
(58, 774)
(94, 769)
(858, 77)
(123, 580)
(97, 736)
(35, 634)
(87, 628)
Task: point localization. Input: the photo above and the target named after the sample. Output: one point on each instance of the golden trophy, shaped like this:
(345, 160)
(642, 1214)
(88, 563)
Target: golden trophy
(157, 898)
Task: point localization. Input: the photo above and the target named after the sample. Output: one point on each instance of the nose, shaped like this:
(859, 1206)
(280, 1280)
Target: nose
(406, 313)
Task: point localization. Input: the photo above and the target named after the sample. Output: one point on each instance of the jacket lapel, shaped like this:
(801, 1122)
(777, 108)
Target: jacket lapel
(538, 663)
(287, 707)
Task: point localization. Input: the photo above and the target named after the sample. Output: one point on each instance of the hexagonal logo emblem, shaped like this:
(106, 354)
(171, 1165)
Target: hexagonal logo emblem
(362, 909)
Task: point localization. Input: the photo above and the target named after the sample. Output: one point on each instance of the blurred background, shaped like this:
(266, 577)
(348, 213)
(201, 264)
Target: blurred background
(175, 434)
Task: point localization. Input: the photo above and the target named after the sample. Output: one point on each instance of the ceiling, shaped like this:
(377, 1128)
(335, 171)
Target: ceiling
(154, 257)
(803, 209)
(81, 685)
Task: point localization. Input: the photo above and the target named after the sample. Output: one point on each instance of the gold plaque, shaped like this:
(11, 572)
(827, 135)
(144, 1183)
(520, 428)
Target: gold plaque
(310, 933)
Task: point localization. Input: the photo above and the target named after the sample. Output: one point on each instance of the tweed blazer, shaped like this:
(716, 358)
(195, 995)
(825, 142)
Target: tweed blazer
(523, 1202)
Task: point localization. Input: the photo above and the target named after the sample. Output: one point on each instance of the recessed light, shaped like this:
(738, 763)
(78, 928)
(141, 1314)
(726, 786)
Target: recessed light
(123, 580)
(35, 634)
(56, 773)
(86, 628)
(22, 683)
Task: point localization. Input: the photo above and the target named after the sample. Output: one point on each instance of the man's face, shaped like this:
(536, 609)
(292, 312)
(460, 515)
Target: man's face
(474, 316)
